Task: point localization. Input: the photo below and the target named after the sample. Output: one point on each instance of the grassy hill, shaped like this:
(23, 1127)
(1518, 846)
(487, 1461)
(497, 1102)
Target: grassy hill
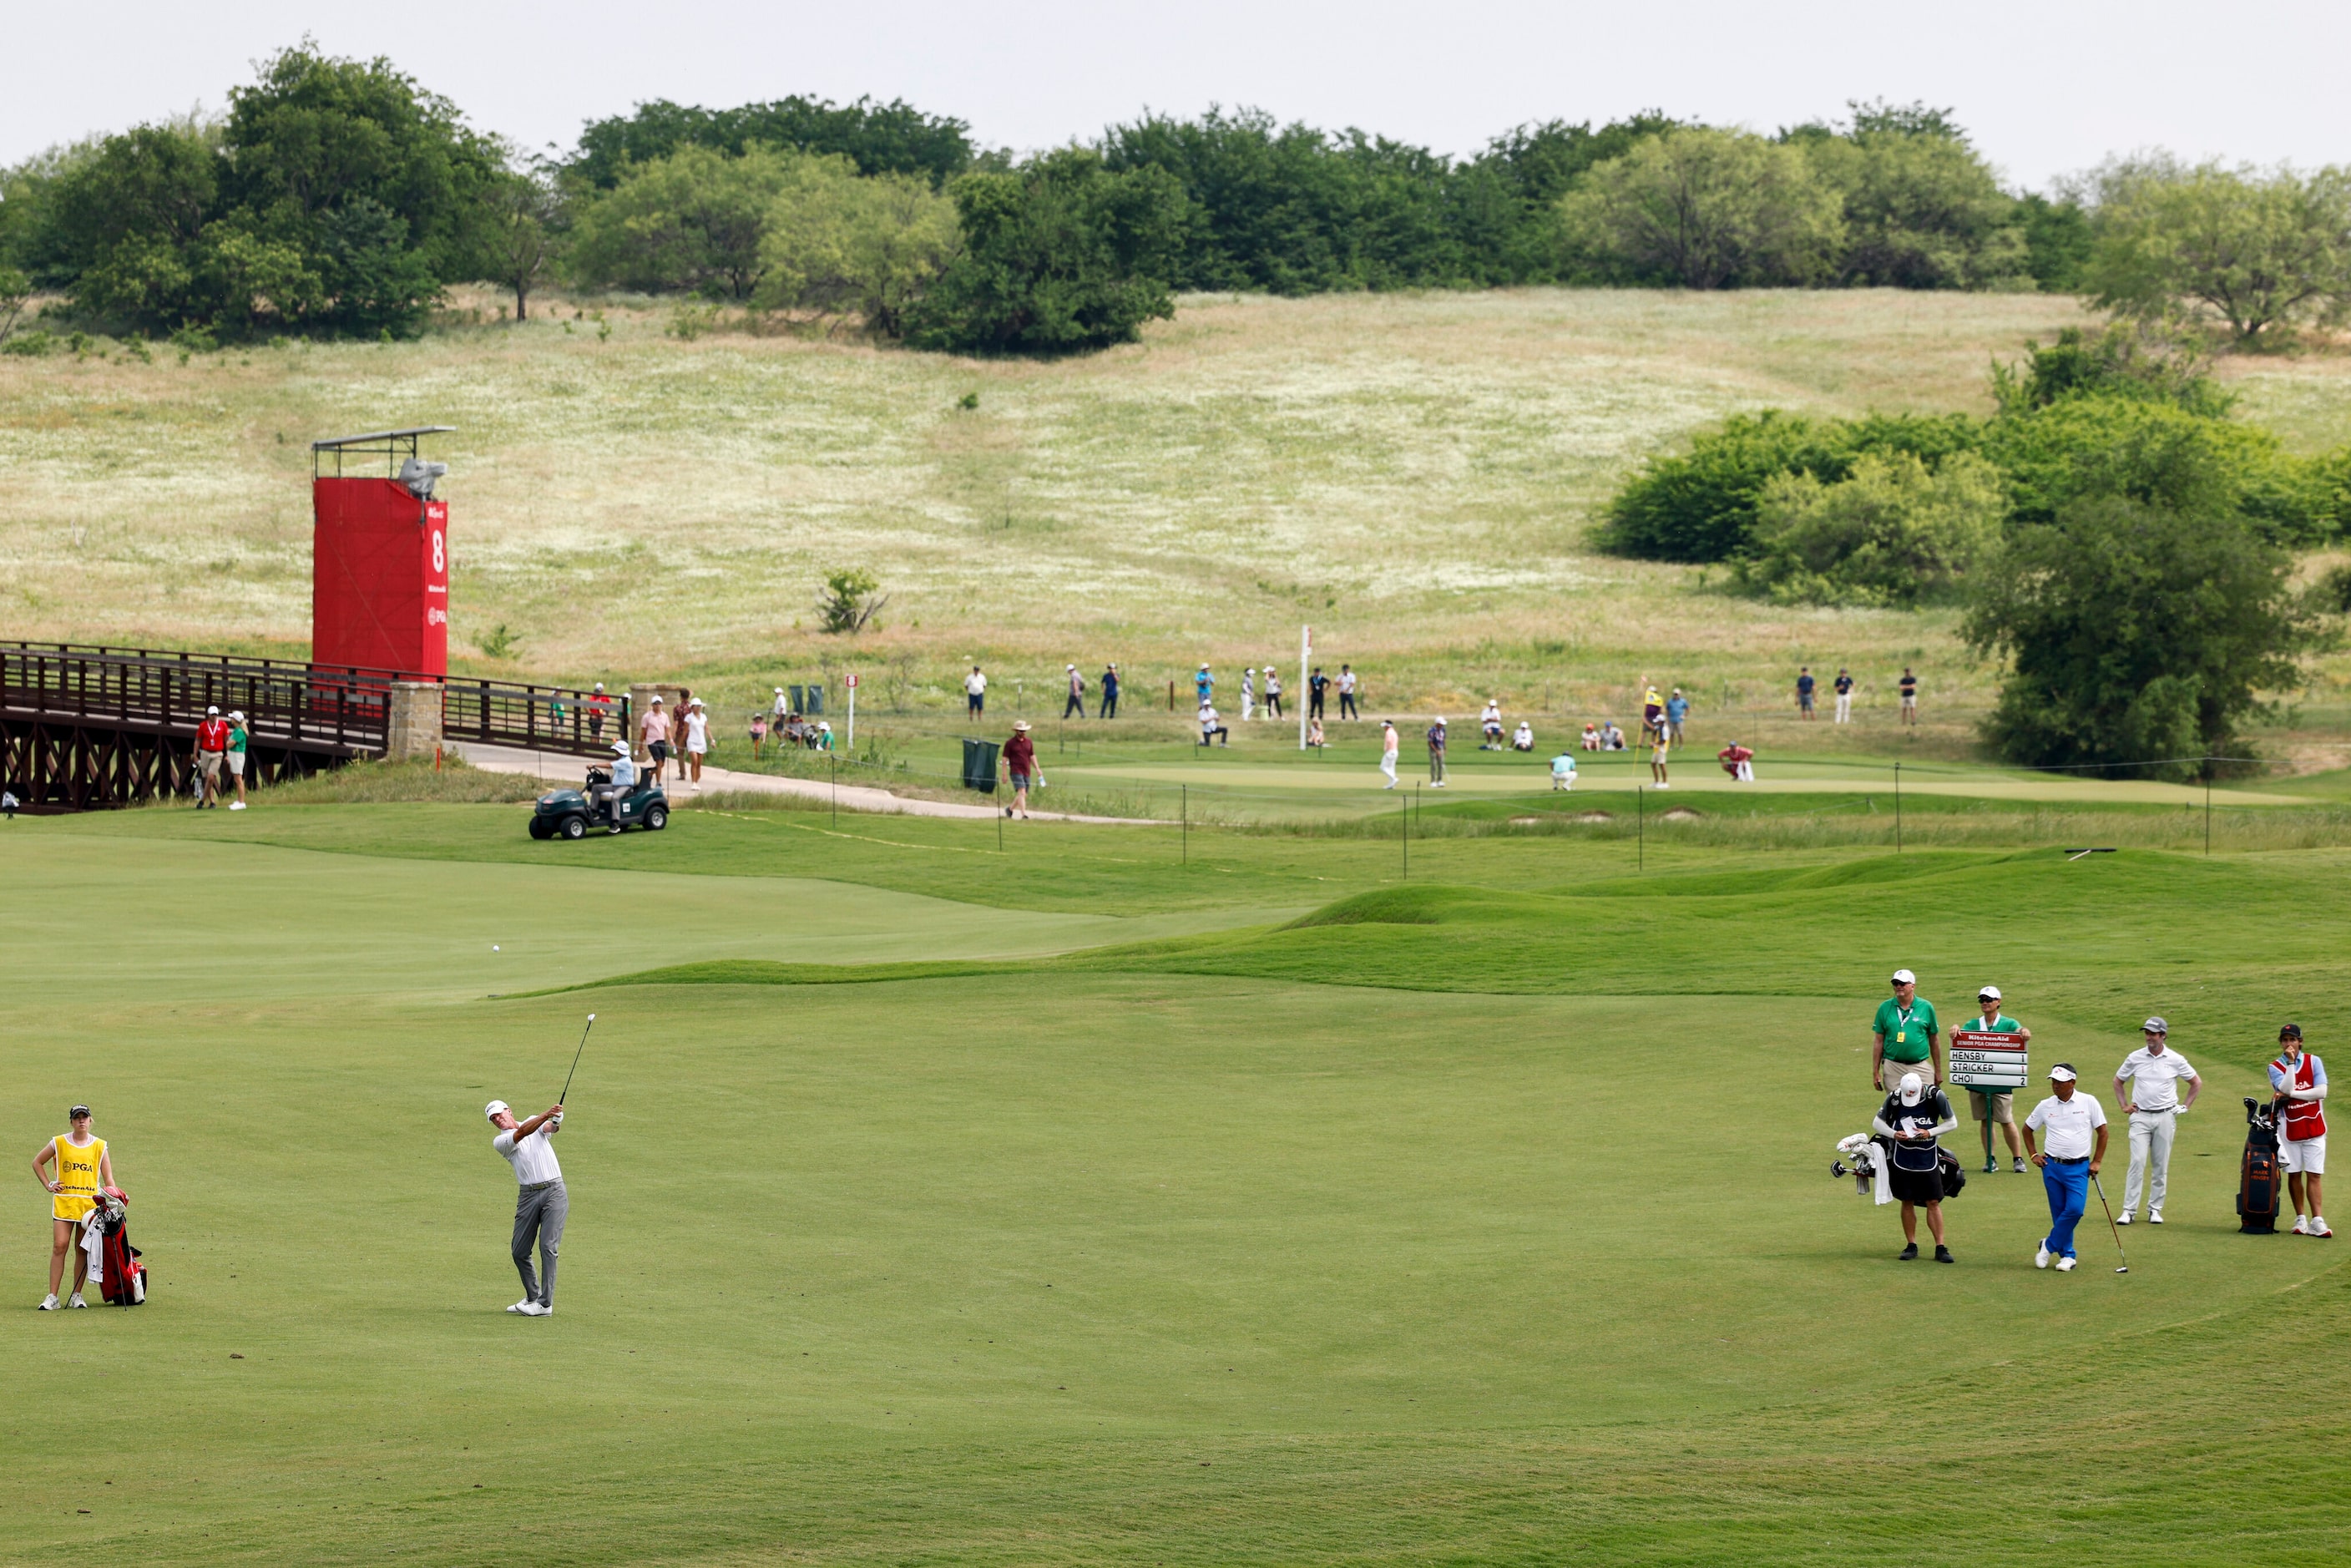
(1413, 474)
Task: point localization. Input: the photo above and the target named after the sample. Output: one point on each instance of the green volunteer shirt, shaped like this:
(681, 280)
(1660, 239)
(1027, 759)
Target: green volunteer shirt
(1906, 1028)
(2002, 1025)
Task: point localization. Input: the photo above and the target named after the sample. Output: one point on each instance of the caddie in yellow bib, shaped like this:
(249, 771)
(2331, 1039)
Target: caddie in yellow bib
(72, 1167)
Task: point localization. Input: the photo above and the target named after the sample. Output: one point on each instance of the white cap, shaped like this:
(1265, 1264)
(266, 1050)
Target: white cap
(1912, 1088)
(1901, 976)
(1992, 991)
(2061, 1073)
(620, 748)
(235, 715)
(493, 1108)
(211, 713)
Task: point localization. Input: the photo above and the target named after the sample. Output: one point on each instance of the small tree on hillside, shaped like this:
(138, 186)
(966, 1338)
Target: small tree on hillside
(1708, 209)
(525, 218)
(2137, 634)
(16, 290)
(2260, 251)
(850, 601)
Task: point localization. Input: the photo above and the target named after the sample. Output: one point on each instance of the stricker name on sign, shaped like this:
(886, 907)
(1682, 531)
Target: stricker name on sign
(1982, 1060)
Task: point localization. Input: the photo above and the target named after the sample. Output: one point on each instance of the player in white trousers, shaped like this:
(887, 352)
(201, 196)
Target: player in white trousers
(1388, 753)
(2153, 1100)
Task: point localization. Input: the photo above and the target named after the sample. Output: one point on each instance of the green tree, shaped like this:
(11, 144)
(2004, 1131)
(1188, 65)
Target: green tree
(2135, 633)
(840, 241)
(2259, 251)
(892, 138)
(1893, 532)
(1922, 209)
(1061, 257)
(526, 214)
(1706, 209)
(15, 291)
(2159, 454)
(693, 221)
(122, 225)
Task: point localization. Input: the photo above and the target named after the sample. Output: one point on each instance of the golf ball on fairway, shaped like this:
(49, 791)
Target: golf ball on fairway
(494, 946)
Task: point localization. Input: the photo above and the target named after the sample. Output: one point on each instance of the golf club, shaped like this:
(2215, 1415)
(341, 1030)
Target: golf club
(2111, 1224)
(559, 1098)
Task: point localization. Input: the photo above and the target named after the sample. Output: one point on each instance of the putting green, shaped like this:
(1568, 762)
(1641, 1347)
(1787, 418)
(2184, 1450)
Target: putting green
(1154, 1266)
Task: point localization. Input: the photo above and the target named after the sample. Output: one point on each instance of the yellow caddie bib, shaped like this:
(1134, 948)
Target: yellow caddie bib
(76, 1173)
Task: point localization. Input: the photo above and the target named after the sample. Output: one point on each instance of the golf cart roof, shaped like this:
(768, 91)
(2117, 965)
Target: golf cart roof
(371, 437)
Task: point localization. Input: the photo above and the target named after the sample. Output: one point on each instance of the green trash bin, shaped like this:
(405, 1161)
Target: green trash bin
(979, 765)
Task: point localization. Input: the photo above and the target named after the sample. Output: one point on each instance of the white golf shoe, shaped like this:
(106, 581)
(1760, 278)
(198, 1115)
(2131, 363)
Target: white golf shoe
(2041, 1258)
(2318, 1228)
(77, 1302)
(533, 1310)
(2124, 1217)
(2301, 1226)
(2154, 1216)
(521, 1306)
(2066, 1265)
(49, 1302)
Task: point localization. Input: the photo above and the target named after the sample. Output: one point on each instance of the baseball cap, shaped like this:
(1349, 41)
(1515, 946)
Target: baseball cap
(494, 1107)
(236, 715)
(2155, 1025)
(2291, 1032)
(1912, 1088)
(211, 713)
(2061, 1073)
(1901, 976)
(1992, 991)
(656, 701)
(77, 1112)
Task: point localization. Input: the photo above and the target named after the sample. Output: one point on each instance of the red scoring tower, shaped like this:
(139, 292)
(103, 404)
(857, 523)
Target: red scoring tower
(380, 556)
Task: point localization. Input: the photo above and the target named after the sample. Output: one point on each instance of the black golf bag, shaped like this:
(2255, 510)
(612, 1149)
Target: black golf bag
(2257, 1178)
(125, 1284)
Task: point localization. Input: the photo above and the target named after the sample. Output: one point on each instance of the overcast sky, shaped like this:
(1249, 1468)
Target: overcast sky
(2046, 86)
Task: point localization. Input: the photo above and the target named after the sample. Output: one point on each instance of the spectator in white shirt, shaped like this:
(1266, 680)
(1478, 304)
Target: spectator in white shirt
(541, 1205)
(2154, 1104)
(974, 694)
(2076, 1125)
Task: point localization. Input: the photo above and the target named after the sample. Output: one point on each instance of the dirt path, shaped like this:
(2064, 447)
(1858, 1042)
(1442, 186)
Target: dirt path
(563, 768)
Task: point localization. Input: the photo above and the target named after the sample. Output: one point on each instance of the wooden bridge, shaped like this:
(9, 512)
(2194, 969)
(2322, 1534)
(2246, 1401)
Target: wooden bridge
(84, 727)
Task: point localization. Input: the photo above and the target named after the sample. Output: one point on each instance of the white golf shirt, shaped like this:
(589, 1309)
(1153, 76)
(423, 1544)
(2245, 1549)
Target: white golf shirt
(2068, 1128)
(533, 1159)
(2154, 1080)
(973, 683)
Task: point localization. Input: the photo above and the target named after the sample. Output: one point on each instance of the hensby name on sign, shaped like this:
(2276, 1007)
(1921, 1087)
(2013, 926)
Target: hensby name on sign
(1982, 1060)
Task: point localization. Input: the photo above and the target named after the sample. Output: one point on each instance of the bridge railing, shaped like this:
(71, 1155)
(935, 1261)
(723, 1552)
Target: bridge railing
(325, 708)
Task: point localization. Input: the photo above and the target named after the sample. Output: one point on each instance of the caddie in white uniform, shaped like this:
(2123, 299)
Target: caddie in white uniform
(2153, 1102)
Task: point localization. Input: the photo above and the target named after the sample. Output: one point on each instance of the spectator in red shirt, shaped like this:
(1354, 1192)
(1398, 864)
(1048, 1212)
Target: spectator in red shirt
(211, 747)
(1020, 762)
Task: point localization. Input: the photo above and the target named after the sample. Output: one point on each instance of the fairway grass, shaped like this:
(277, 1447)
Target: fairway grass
(1216, 1232)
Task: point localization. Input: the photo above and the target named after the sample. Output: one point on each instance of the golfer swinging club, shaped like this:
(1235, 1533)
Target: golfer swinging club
(542, 1204)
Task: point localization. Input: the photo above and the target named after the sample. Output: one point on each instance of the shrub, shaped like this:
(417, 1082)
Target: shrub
(29, 345)
(840, 241)
(1700, 505)
(1893, 533)
(2137, 634)
(1706, 209)
(2107, 444)
(2127, 360)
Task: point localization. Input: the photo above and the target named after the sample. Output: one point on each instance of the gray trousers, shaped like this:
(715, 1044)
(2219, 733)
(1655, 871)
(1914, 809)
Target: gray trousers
(540, 1213)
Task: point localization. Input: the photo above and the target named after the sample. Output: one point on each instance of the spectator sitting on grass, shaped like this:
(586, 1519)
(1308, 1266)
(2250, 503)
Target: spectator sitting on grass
(1611, 737)
(1591, 737)
(1314, 733)
(1489, 723)
(1524, 740)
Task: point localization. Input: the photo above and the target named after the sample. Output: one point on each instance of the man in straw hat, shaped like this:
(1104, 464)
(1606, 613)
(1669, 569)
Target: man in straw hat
(1020, 762)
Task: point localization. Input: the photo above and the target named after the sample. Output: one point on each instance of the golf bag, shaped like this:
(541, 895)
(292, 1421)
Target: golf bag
(2257, 1176)
(125, 1278)
(1955, 1174)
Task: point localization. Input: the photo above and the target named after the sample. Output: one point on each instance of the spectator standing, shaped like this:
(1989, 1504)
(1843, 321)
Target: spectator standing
(1076, 705)
(212, 749)
(599, 704)
(1995, 1105)
(1910, 696)
(1653, 713)
(1317, 687)
(783, 710)
(1109, 692)
(238, 741)
(1388, 746)
(1661, 746)
(1436, 754)
(2299, 1081)
(974, 694)
(1248, 693)
(2075, 1127)
(1915, 1116)
(1676, 710)
(759, 734)
(1212, 728)
(1347, 693)
(1204, 686)
(695, 723)
(1904, 1036)
(1845, 696)
(1273, 692)
(2152, 1102)
(1020, 762)
(652, 732)
(1804, 688)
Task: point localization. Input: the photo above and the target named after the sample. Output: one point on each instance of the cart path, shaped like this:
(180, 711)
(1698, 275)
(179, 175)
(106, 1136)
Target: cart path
(564, 768)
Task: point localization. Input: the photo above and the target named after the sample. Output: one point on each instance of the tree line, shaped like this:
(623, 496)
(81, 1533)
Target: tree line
(341, 197)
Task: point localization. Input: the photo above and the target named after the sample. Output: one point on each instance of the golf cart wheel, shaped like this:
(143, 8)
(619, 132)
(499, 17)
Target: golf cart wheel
(657, 818)
(575, 827)
(538, 828)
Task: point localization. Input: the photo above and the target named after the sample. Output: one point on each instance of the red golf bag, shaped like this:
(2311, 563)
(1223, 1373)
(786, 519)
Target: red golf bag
(125, 1282)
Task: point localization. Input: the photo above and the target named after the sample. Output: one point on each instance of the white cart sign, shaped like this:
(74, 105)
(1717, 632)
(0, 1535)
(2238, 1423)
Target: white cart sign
(1984, 1061)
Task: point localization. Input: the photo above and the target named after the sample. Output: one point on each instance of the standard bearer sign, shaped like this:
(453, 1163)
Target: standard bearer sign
(1982, 1060)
